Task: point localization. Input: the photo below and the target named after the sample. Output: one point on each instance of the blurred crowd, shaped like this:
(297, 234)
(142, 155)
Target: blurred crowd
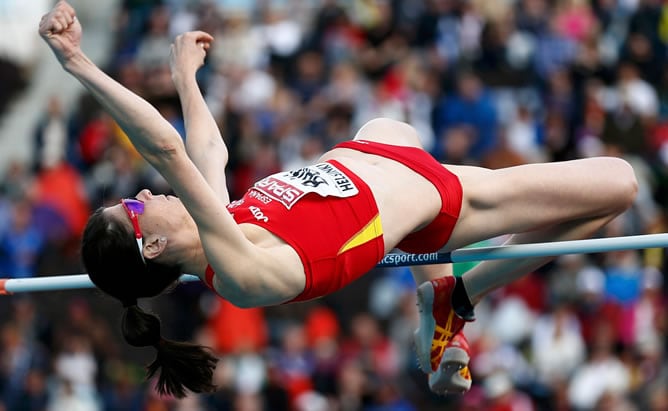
(489, 83)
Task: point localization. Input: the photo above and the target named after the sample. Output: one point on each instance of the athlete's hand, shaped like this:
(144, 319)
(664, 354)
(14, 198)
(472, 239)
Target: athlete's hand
(187, 54)
(61, 30)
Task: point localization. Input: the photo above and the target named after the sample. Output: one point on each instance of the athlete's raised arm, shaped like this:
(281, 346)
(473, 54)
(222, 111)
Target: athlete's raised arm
(150, 133)
(226, 247)
(204, 143)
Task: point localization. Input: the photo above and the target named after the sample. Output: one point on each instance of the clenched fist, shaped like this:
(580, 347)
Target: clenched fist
(187, 54)
(61, 31)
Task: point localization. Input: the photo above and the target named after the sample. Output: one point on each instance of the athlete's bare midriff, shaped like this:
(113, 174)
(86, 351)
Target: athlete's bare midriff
(404, 197)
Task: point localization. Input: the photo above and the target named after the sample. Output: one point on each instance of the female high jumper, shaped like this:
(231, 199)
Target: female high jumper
(302, 234)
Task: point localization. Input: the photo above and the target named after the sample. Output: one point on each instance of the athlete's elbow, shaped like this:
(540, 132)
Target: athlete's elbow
(248, 298)
(235, 293)
(164, 153)
(258, 291)
(242, 301)
(209, 155)
(240, 291)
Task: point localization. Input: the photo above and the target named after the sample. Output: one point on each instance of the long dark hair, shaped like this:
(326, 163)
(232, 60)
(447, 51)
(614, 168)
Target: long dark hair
(112, 260)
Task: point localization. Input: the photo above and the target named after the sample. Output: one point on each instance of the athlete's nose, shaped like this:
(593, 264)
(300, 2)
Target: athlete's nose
(144, 194)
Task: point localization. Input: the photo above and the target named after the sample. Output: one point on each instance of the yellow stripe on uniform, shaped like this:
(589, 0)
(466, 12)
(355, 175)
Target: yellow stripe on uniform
(371, 231)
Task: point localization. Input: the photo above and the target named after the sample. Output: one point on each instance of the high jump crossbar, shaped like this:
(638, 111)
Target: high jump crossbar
(515, 251)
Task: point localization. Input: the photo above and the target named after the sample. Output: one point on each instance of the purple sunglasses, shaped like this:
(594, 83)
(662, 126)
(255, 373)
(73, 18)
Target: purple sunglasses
(134, 208)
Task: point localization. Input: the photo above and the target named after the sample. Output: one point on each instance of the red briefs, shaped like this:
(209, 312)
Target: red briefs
(330, 218)
(437, 233)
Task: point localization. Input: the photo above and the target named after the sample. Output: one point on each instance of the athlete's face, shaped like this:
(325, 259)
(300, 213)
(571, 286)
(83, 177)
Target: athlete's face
(161, 215)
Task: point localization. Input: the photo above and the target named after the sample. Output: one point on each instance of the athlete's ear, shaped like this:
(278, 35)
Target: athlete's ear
(154, 245)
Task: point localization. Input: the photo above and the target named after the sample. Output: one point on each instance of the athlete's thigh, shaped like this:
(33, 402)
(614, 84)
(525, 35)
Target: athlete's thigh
(534, 196)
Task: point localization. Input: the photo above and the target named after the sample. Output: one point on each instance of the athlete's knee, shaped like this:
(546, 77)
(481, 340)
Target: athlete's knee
(623, 180)
(394, 131)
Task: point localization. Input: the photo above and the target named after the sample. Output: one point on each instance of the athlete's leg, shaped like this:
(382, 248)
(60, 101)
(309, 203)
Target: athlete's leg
(541, 202)
(538, 203)
(535, 196)
(422, 273)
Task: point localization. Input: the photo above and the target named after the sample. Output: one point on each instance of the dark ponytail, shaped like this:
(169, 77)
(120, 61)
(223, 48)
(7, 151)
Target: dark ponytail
(112, 260)
(181, 365)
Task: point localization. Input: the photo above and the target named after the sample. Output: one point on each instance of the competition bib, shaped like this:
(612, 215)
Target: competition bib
(323, 179)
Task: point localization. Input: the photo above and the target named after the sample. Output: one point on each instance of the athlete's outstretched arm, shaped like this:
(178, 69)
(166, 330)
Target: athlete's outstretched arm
(204, 143)
(151, 134)
(240, 264)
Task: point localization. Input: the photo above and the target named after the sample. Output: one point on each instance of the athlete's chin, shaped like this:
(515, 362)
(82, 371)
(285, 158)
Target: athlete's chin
(175, 201)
